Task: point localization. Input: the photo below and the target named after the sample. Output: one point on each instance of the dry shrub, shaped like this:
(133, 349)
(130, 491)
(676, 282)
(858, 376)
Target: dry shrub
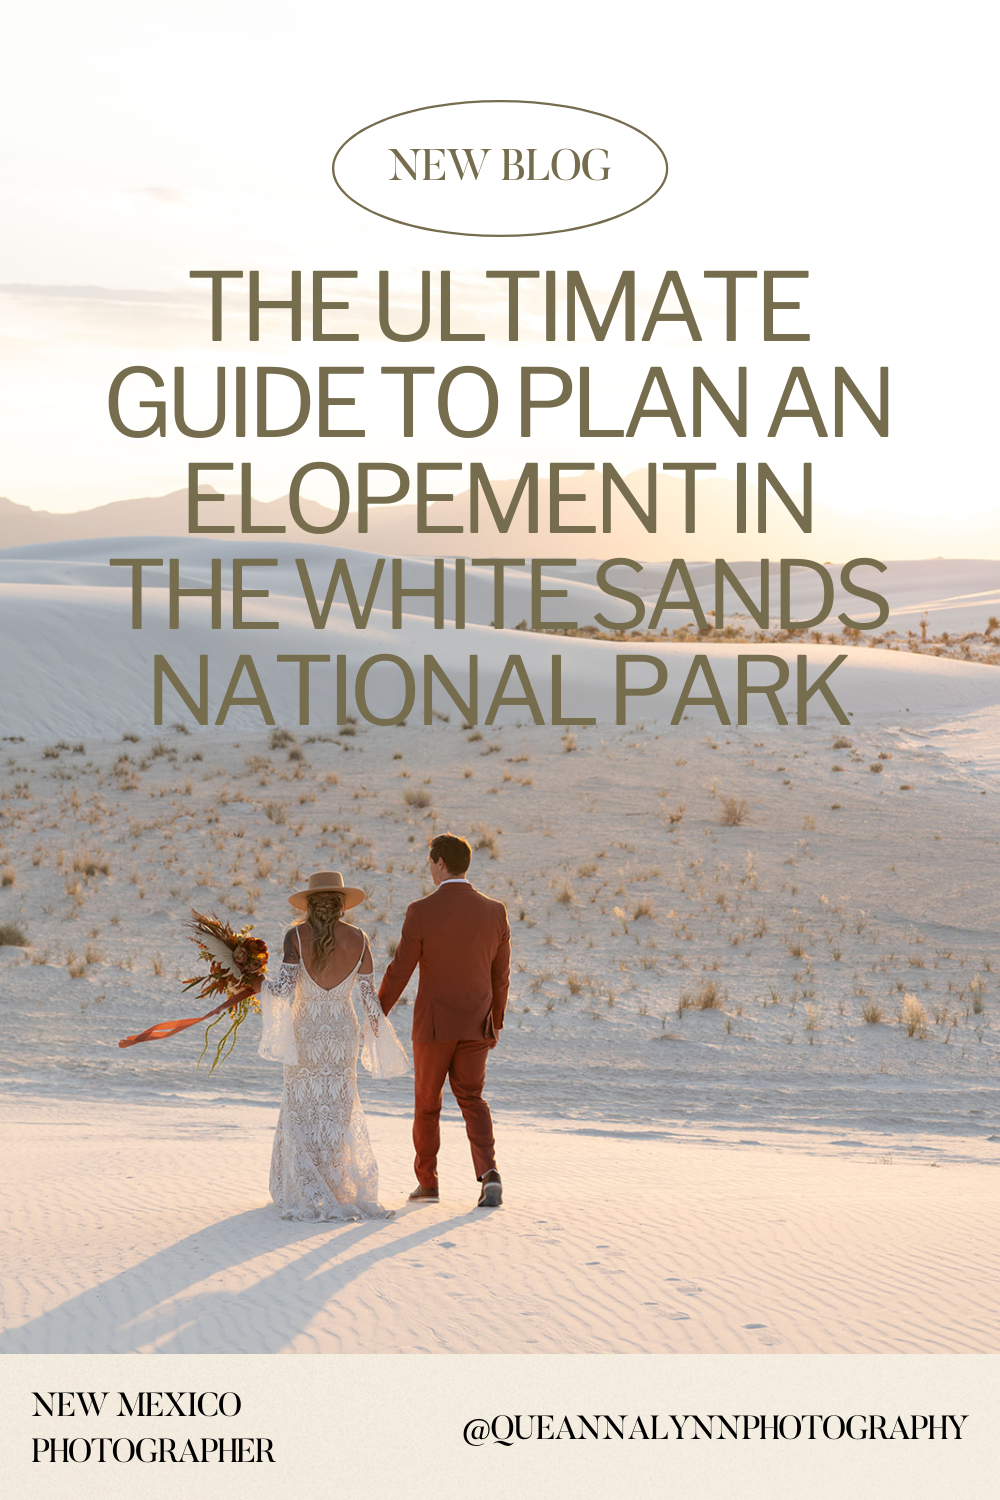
(643, 908)
(565, 895)
(415, 796)
(12, 936)
(914, 1017)
(871, 1012)
(486, 838)
(8, 875)
(735, 810)
(708, 995)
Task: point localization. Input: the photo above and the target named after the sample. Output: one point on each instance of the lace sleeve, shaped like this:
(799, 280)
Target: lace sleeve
(381, 1051)
(284, 985)
(277, 1042)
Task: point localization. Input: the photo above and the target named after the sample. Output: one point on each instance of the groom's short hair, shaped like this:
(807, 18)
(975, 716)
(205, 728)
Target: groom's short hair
(456, 852)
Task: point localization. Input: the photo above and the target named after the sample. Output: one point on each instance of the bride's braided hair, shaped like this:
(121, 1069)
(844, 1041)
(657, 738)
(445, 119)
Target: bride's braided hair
(324, 912)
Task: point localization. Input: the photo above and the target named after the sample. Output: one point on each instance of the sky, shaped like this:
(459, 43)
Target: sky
(851, 144)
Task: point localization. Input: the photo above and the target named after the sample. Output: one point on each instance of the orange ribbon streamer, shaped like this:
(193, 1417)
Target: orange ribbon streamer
(171, 1028)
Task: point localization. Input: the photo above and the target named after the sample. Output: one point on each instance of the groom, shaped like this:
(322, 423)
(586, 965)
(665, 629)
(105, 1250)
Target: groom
(461, 941)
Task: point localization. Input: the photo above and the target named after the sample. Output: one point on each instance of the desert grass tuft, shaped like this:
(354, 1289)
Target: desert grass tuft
(708, 995)
(914, 1017)
(734, 811)
(486, 838)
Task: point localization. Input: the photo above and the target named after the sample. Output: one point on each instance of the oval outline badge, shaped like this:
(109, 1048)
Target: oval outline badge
(481, 234)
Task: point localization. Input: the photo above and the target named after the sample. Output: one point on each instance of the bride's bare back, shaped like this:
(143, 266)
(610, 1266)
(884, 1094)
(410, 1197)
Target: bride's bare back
(338, 964)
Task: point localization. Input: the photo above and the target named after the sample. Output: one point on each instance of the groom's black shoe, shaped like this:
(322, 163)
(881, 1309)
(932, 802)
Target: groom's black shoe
(492, 1193)
(423, 1194)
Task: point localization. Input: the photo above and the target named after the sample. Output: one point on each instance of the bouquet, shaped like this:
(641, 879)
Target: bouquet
(234, 960)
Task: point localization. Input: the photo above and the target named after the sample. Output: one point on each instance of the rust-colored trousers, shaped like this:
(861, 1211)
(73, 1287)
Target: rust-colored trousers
(464, 1066)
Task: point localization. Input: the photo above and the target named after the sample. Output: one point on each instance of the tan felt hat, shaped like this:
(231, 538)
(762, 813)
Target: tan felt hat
(327, 880)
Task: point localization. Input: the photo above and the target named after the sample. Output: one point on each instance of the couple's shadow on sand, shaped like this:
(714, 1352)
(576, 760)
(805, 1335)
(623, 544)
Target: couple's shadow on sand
(153, 1306)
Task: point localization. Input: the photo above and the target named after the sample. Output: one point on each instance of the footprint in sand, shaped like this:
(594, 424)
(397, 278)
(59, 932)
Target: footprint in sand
(665, 1312)
(763, 1337)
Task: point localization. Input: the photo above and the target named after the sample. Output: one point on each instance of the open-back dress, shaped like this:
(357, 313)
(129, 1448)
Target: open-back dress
(322, 1164)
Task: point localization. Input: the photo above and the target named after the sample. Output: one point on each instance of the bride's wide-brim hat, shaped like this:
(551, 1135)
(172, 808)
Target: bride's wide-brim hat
(327, 881)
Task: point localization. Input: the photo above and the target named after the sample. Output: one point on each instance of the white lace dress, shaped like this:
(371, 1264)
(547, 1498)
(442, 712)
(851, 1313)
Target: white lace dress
(322, 1165)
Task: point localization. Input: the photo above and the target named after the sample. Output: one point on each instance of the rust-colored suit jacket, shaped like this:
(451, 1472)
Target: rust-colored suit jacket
(461, 940)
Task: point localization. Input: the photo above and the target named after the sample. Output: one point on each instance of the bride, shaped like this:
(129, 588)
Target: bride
(322, 1165)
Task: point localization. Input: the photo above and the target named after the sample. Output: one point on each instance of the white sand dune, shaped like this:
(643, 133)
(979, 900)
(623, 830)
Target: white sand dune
(617, 1243)
(72, 605)
(771, 1173)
